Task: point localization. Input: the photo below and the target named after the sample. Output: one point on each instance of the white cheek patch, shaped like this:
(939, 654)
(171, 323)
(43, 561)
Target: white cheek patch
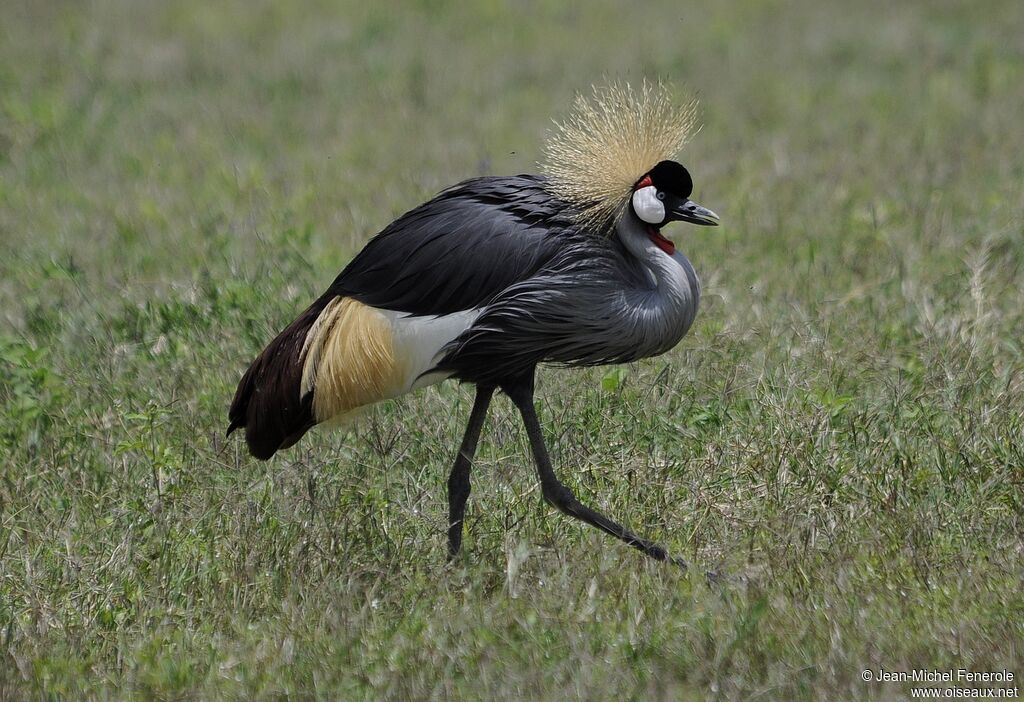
(647, 205)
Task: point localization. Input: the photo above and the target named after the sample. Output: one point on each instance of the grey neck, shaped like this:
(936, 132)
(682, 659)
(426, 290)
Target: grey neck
(667, 309)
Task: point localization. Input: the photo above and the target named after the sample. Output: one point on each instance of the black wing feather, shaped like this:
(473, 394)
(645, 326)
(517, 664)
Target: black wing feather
(460, 249)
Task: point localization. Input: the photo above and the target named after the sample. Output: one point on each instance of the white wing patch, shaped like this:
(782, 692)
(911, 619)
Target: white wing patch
(418, 342)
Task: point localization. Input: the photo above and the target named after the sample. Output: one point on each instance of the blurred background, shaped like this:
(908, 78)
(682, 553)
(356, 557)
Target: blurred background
(841, 431)
(336, 117)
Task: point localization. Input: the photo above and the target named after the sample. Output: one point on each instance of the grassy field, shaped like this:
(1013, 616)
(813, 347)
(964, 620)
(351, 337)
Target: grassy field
(842, 432)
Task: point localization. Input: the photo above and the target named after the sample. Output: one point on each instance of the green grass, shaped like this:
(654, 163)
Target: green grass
(842, 432)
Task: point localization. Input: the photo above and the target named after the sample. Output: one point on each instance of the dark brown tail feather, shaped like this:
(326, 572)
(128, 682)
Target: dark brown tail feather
(267, 401)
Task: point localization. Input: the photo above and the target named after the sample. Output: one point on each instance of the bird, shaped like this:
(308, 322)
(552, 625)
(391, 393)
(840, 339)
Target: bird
(496, 276)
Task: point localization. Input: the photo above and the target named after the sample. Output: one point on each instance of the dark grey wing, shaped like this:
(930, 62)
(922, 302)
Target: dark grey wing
(581, 309)
(460, 249)
(456, 252)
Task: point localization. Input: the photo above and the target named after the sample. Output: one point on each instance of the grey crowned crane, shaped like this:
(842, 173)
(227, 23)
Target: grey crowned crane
(494, 276)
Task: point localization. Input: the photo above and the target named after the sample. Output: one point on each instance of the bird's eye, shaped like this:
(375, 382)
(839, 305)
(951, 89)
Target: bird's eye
(661, 195)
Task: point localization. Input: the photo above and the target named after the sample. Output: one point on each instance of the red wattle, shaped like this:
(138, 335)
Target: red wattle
(662, 243)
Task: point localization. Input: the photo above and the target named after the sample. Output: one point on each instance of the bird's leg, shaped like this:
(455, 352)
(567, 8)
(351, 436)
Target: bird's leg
(458, 480)
(558, 494)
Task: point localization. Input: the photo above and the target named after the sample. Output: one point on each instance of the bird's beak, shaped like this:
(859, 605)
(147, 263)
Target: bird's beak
(690, 211)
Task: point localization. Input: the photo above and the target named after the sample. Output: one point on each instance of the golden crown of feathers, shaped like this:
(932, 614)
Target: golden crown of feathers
(609, 142)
